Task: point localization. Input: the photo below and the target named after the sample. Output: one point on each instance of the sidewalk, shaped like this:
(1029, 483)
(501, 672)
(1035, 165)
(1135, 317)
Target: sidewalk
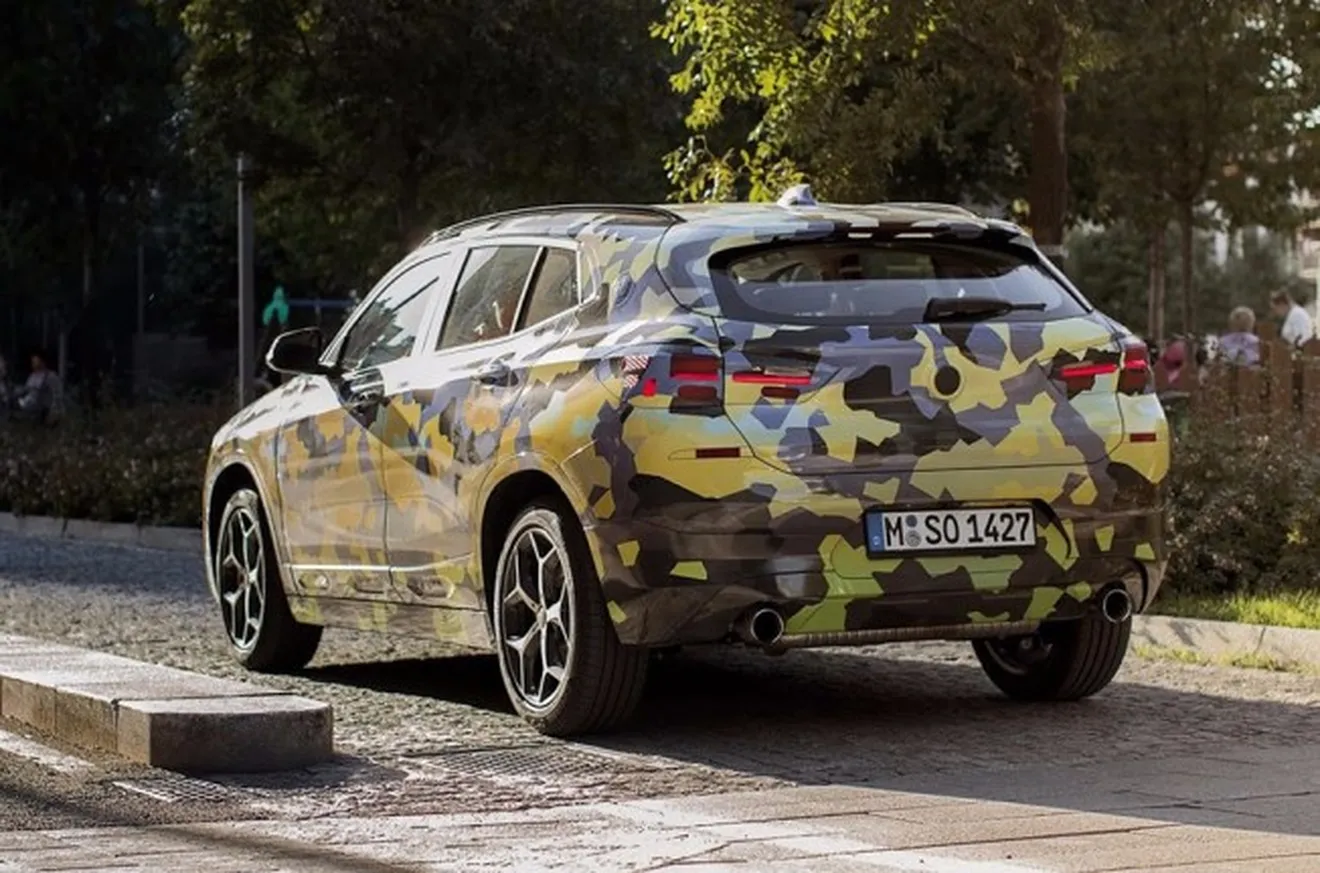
(1256, 812)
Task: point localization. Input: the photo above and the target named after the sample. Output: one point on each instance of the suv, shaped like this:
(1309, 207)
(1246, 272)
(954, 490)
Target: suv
(574, 434)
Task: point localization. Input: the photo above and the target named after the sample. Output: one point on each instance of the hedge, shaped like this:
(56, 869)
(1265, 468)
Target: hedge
(141, 465)
(1246, 509)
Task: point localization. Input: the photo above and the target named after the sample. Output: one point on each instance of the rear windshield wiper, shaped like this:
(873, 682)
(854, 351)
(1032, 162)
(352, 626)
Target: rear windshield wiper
(973, 308)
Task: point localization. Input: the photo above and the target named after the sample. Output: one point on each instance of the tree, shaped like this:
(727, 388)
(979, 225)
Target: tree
(841, 91)
(87, 82)
(1198, 123)
(375, 120)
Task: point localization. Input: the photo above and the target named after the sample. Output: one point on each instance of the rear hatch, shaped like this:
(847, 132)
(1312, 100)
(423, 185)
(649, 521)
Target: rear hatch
(910, 353)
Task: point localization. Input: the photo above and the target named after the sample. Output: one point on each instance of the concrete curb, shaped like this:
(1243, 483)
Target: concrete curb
(159, 716)
(1227, 640)
(170, 539)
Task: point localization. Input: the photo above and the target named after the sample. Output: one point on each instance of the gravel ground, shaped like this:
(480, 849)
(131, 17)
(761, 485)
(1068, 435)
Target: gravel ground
(425, 729)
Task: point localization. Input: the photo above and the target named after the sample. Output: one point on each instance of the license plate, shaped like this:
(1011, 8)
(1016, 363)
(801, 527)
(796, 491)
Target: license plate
(949, 529)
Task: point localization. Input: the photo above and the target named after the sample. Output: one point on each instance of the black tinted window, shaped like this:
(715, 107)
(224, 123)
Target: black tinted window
(882, 282)
(390, 323)
(486, 301)
(554, 289)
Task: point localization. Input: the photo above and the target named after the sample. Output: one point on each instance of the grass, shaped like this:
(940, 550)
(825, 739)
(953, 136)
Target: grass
(1286, 609)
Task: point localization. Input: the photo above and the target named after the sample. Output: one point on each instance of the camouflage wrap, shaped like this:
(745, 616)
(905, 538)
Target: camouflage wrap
(379, 513)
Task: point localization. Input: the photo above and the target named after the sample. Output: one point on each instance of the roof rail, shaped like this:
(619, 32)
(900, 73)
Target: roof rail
(948, 208)
(529, 211)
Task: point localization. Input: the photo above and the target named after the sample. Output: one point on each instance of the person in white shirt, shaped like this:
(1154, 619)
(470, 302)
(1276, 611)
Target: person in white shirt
(1298, 329)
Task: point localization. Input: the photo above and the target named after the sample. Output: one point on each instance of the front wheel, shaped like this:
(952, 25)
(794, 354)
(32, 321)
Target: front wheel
(563, 666)
(261, 630)
(1065, 660)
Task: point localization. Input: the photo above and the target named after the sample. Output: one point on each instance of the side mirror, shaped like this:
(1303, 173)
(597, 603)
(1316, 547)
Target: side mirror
(298, 352)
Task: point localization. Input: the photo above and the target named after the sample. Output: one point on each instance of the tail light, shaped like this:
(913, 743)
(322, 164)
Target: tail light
(696, 379)
(1133, 369)
(776, 384)
(694, 368)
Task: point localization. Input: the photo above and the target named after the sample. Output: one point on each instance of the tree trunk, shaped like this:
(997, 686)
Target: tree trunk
(1047, 186)
(407, 203)
(1155, 299)
(62, 354)
(1186, 241)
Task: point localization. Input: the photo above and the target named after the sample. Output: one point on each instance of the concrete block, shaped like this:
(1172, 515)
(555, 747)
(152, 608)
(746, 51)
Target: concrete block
(1212, 639)
(227, 735)
(40, 526)
(1295, 645)
(86, 714)
(28, 703)
(1225, 639)
(100, 531)
(172, 539)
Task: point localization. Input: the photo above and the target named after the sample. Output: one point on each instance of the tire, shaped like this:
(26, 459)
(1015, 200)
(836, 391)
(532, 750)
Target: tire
(274, 642)
(600, 680)
(1078, 659)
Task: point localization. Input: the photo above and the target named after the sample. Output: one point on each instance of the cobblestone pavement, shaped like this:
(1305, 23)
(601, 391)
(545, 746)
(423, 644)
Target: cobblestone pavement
(425, 730)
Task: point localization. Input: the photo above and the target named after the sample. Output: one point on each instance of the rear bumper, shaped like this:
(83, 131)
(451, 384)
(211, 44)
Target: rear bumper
(685, 573)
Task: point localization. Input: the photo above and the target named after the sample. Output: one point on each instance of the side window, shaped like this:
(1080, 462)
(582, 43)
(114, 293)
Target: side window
(390, 323)
(486, 301)
(555, 289)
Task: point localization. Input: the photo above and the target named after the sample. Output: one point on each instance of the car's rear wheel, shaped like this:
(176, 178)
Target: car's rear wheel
(563, 665)
(261, 631)
(1065, 660)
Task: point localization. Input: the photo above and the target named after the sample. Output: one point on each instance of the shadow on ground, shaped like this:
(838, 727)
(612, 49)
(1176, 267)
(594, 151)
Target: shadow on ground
(876, 720)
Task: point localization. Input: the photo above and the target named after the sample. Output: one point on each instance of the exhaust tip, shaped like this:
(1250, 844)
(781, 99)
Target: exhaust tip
(1116, 605)
(763, 626)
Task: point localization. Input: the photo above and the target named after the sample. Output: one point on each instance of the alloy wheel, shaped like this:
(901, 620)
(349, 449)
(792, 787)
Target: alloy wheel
(534, 619)
(241, 573)
(1019, 655)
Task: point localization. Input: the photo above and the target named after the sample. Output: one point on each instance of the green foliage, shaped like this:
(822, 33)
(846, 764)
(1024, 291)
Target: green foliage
(140, 466)
(1109, 265)
(374, 122)
(1209, 100)
(872, 101)
(1244, 512)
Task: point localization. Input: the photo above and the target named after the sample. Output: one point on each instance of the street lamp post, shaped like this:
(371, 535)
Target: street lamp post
(246, 281)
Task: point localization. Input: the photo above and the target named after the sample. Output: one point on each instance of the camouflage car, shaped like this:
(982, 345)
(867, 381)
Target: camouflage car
(577, 434)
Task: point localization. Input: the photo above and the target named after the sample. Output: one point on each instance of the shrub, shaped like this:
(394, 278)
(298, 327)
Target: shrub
(1245, 510)
(140, 465)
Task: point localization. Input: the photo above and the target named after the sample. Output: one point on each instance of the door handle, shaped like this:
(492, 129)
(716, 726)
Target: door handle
(494, 374)
(364, 396)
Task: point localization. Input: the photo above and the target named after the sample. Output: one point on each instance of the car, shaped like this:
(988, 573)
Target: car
(578, 435)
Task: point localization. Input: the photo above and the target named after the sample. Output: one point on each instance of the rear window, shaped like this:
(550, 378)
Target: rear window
(889, 282)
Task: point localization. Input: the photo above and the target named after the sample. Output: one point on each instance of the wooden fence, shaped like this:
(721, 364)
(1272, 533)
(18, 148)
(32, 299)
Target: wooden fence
(1280, 395)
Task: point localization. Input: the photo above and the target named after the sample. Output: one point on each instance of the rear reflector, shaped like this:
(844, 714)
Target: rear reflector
(731, 452)
(1143, 437)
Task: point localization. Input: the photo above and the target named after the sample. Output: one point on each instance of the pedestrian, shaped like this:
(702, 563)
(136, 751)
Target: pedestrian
(1241, 345)
(1169, 369)
(1298, 329)
(42, 396)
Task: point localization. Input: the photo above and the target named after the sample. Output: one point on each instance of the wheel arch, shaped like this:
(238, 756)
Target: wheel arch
(233, 474)
(511, 487)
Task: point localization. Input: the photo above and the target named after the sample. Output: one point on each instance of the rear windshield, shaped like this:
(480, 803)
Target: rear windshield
(889, 282)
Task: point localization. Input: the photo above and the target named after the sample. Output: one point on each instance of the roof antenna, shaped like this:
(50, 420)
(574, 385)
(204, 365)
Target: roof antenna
(798, 195)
